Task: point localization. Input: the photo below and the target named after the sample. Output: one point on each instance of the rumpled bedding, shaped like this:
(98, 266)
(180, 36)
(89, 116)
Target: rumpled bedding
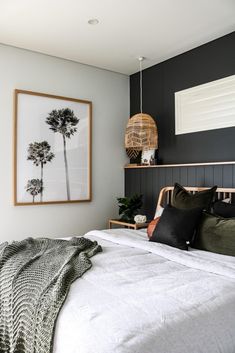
(145, 297)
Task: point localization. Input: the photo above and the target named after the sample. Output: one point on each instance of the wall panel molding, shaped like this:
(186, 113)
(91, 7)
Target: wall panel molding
(128, 166)
(150, 181)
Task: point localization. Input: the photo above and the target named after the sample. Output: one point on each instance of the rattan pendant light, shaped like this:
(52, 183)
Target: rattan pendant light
(141, 131)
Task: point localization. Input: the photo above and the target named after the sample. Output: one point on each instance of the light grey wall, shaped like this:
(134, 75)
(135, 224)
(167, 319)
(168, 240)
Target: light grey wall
(109, 93)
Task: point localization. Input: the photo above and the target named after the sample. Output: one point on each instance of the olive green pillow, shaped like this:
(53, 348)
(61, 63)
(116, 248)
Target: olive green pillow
(184, 199)
(216, 234)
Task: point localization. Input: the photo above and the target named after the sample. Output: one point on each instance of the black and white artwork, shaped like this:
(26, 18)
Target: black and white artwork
(148, 157)
(52, 149)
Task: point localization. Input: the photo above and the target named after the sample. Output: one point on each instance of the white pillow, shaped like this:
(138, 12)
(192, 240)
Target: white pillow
(228, 200)
(159, 211)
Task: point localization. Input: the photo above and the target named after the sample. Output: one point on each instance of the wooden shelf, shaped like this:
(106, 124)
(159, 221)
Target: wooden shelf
(133, 166)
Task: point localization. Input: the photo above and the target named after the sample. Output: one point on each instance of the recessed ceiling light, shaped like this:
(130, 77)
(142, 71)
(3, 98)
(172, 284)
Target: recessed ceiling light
(93, 21)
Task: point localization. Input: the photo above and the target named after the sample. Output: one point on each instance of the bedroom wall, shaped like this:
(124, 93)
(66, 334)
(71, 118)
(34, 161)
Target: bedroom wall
(206, 63)
(108, 92)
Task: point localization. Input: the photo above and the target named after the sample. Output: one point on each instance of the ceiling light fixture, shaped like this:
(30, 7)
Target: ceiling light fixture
(93, 21)
(141, 131)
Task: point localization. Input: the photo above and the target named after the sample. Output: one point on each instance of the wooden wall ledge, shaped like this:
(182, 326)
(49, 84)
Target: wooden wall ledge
(132, 166)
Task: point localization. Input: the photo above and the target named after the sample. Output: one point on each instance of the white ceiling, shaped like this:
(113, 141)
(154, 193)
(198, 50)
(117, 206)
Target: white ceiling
(155, 29)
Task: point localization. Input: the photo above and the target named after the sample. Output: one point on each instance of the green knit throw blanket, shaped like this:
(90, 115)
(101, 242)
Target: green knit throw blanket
(35, 277)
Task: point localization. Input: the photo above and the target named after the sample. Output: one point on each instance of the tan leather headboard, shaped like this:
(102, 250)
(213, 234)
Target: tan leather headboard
(166, 193)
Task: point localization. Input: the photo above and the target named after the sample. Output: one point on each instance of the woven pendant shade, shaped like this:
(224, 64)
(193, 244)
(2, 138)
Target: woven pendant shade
(132, 154)
(141, 134)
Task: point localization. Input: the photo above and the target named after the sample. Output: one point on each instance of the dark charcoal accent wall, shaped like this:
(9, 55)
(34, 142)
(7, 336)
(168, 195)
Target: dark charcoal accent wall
(206, 63)
(149, 181)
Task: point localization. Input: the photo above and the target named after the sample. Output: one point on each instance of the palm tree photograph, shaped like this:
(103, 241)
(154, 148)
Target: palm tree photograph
(64, 122)
(52, 148)
(34, 188)
(40, 154)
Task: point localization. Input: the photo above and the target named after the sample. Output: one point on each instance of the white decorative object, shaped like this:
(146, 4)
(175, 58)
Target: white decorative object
(139, 219)
(205, 107)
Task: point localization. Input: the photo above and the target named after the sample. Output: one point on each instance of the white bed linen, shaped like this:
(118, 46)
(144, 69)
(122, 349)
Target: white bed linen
(144, 297)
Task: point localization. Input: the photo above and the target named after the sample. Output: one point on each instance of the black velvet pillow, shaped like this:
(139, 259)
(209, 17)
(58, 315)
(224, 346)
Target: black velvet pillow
(183, 199)
(176, 226)
(223, 209)
(216, 234)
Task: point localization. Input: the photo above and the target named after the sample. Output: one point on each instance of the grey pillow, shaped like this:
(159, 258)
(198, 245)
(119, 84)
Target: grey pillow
(215, 234)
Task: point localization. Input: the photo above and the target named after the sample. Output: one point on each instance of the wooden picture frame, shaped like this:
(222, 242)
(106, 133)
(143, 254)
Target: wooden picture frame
(52, 149)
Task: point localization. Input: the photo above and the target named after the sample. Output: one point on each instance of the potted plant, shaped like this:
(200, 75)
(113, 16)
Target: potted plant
(129, 207)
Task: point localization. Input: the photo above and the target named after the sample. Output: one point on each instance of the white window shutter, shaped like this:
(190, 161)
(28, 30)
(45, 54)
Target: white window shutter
(205, 107)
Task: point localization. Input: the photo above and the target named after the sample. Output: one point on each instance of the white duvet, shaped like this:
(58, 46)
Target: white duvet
(144, 297)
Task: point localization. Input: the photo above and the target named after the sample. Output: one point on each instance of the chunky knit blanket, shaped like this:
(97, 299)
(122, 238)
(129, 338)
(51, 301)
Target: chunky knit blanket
(35, 277)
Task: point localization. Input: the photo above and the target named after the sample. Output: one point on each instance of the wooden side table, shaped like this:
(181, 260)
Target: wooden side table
(127, 225)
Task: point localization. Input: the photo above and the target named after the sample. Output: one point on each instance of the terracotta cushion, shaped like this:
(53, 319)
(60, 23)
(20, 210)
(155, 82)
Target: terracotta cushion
(152, 226)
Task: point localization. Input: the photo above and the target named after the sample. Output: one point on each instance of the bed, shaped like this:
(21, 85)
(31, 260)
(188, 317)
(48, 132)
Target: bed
(144, 297)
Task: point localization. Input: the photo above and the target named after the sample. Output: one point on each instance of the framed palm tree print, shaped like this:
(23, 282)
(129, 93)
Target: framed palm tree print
(52, 149)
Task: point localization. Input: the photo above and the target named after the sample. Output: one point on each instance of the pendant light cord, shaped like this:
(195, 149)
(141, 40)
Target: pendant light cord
(141, 85)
